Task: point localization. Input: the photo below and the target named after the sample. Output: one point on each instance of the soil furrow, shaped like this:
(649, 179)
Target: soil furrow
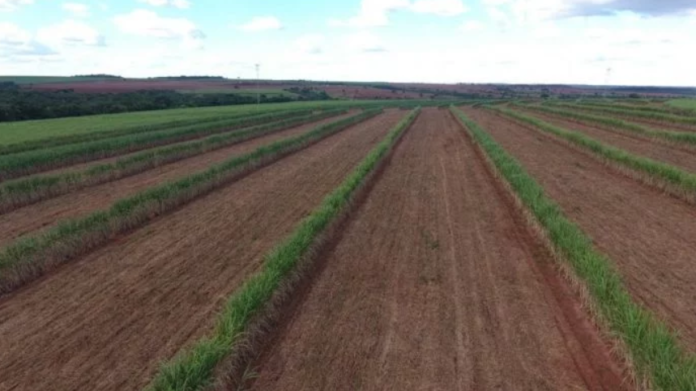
(45, 214)
(681, 157)
(107, 320)
(435, 284)
(650, 236)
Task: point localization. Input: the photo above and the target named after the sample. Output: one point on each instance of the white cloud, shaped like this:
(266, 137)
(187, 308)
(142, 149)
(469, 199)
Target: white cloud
(375, 13)
(181, 4)
(262, 23)
(11, 34)
(70, 32)
(364, 42)
(439, 7)
(11, 5)
(309, 44)
(148, 24)
(499, 17)
(77, 9)
(471, 25)
(17, 44)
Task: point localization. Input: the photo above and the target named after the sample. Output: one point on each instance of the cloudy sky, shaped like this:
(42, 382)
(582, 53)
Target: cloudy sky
(631, 42)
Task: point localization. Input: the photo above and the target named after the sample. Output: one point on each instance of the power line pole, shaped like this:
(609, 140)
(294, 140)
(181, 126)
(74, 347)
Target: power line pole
(258, 86)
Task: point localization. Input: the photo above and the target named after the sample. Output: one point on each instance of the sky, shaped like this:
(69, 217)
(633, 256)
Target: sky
(617, 42)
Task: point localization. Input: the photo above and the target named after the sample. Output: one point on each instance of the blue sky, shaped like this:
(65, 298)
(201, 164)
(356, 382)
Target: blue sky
(646, 42)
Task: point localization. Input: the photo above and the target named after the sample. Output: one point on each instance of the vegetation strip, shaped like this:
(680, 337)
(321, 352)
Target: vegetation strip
(16, 165)
(632, 113)
(28, 257)
(652, 347)
(678, 137)
(25, 191)
(684, 181)
(52, 142)
(648, 109)
(193, 369)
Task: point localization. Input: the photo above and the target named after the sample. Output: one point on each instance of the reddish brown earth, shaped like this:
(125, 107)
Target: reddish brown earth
(650, 236)
(681, 157)
(46, 214)
(362, 92)
(436, 284)
(107, 320)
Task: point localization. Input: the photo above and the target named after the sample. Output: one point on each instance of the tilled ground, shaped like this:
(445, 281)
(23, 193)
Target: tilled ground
(107, 320)
(650, 236)
(45, 214)
(681, 157)
(436, 284)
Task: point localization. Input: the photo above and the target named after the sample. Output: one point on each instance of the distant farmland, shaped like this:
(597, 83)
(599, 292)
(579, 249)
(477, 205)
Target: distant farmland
(537, 244)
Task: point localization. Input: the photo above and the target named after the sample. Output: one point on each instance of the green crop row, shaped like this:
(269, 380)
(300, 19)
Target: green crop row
(24, 191)
(28, 257)
(665, 173)
(56, 141)
(25, 163)
(193, 369)
(648, 109)
(676, 119)
(583, 117)
(653, 348)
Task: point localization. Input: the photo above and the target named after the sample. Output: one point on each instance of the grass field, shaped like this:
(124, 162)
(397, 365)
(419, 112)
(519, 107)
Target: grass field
(351, 245)
(689, 104)
(18, 132)
(48, 79)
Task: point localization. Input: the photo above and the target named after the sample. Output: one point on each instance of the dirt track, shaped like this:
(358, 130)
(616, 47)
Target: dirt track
(436, 284)
(650, 236)
(45, 214)
(104, 322)
(642, 146)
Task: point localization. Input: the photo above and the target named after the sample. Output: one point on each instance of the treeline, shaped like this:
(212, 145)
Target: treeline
(18, 104)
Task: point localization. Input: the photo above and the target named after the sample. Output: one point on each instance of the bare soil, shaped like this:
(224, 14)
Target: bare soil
(107, 320)
(684, 158)
(436, 284)
(29, 219)
(650, 236)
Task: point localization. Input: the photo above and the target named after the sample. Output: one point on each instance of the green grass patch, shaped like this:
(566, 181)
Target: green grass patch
(28, 257)
(663, 172)
(671, 118)
(25, 163)
(193, 369)
(51, 79)
(24, 191)
(583, 117)
(662, 109)
(22, 131)
(52, 142)
(685, 104)
(652, 346)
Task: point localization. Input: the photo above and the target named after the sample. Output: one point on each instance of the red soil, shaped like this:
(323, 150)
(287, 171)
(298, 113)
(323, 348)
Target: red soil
(651, 237)
(106, 321)
(684, 158)
(436, 284)
(46, 214)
